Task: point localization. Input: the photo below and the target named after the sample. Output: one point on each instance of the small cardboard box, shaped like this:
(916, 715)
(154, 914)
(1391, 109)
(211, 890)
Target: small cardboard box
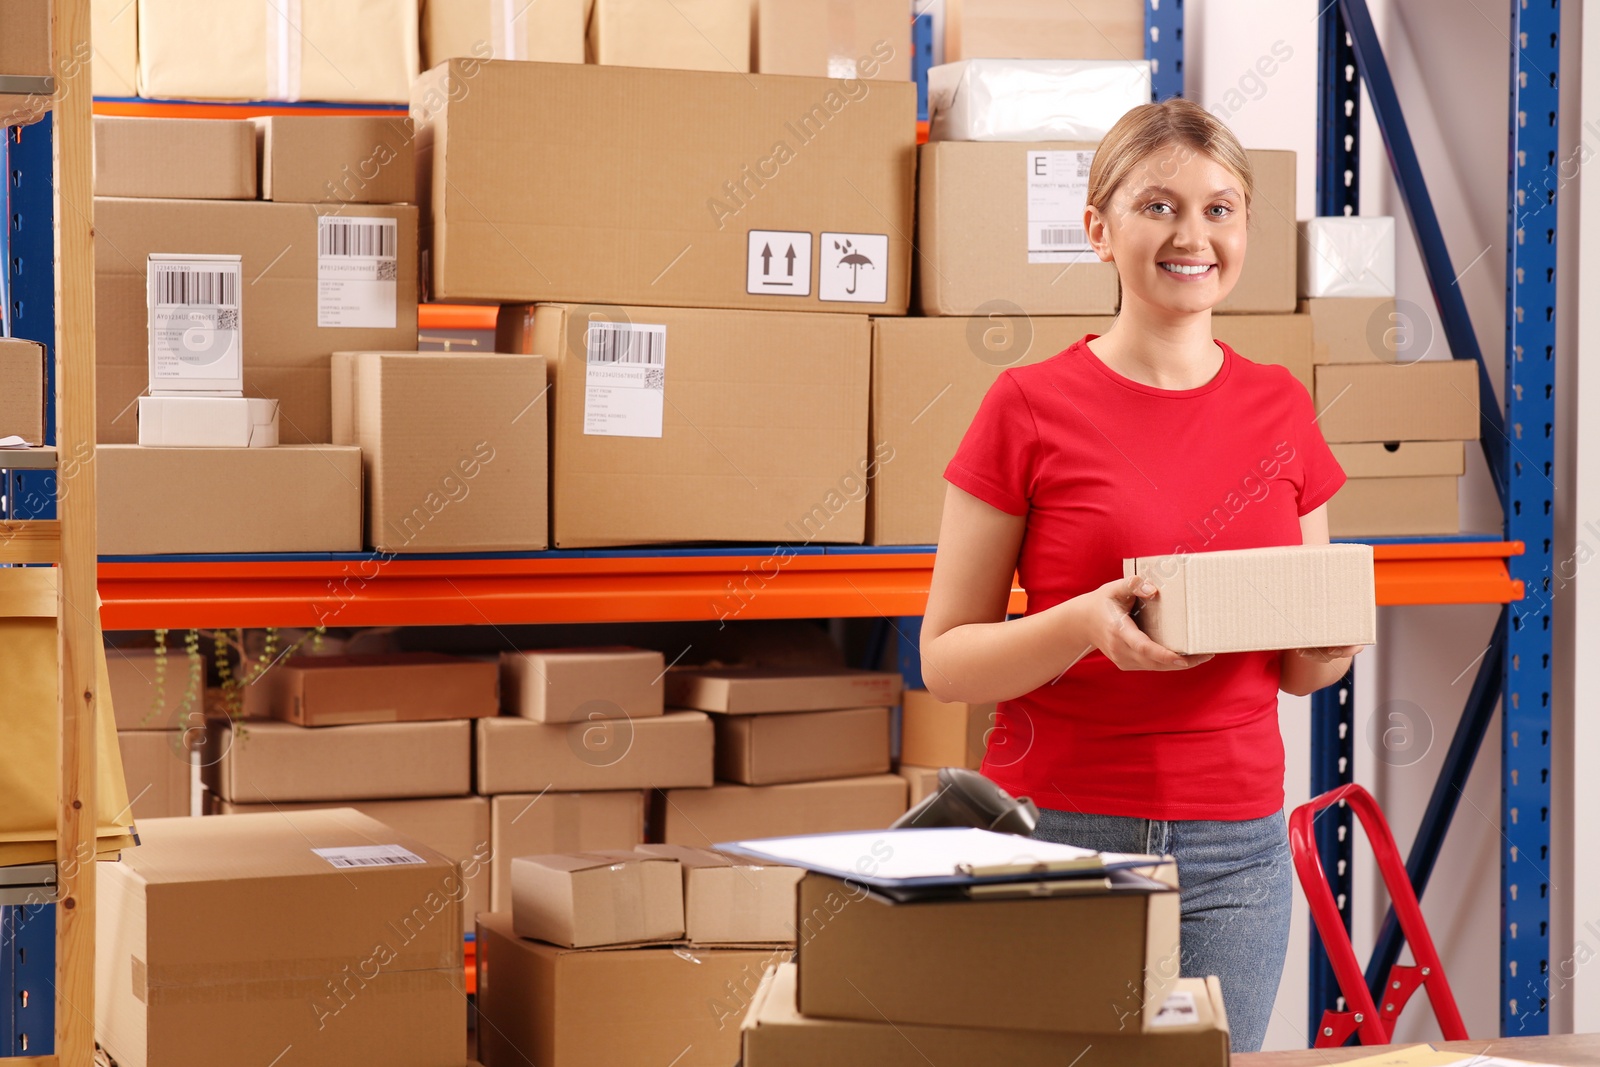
(174, 159)
(401, 687)
(1398, 489)
(1043, 29)
(585, 899)
(114, 29)
(559, 1007)
(1242, 600)
(579, 684)
(337, 159)
(833, 39)
(294, 498)
(158, 770)
(208, 422)
(730, 901)
(22, 390)
(550, 31)
(134, 694)
(1430, 400)
(289, 901)
(754, 690)
(988, 964)
(25, 51)
(538, 824)
(707, 817)
(518, 755)
(1352, 329)
(682, 34)
(801, 746)
(777, 1035)
(936, 734)
(1347, 256)
(920, 782)
(1284, 340)
(278, 761)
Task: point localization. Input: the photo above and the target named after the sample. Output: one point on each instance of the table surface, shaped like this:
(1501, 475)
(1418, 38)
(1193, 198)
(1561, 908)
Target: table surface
(1569, 1050)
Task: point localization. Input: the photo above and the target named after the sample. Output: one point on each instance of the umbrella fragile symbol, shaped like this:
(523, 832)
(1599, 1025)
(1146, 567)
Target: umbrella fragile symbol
(847, 255)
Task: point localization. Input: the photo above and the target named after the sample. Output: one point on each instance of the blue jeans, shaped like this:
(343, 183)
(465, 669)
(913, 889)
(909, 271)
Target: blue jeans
(1236, 886)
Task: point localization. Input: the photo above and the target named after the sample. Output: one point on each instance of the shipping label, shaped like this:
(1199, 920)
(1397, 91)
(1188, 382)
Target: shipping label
(625, 379)
(358, 270)
(1177, 1010)
(369, 856)
(1058, 192)
(196, 342)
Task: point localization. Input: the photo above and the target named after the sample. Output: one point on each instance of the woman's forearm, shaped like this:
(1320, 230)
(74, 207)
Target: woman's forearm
(1300, 676)
(981, 662)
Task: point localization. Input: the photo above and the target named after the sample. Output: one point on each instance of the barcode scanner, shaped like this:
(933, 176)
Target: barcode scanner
(967, 798)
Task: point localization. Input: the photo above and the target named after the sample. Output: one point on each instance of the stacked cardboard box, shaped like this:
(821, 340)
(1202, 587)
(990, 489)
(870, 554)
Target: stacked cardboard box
(153, 730)
(1040, 29)
(22, 390)
(832, 38)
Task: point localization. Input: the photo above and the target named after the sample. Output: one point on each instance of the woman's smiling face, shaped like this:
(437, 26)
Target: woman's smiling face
(1176, 229)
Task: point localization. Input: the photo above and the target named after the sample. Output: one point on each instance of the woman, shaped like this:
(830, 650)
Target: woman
(1149, 439)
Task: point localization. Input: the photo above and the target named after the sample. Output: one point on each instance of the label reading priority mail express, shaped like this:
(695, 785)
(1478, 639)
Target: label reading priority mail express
(196, 343)
(358, 267)
(625, 379)
(1178, 1010)
(369, 856)
(1058, 191)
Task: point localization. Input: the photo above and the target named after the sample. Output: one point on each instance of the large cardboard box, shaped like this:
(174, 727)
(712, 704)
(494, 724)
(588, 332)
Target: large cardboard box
(278, 761)
(1430, 400)
(22, 390)
(289, 288)
(1397, 489)
(1284, 340)
(550, 31)
(295, 498)
(832, 38)
(988, 964)
(936, 734)
(752, 690)
(158, 770)
(400, 687)
(1354, 329)
(317, 50)
(337, 159)
(723, 813)
(1241, 600)
(151, 697)
(582, 684)
(727, 900)
(683, 34)
(455, 827)
(223, 940)
(777, 1035)
(537, 824)
(453, 447)
(521, 756)
(560, 1007)
(114, 29)
(802, 746)
(806, 163)
(184, 159)
(691, 425)
(585, 899)
(1042, 29)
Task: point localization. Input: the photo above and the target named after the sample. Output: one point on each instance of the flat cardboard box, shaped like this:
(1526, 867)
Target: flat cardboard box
(581, 684)
(928, 377)
(802, 746)
(832, 38)
(179, 159)
(723, 813)
(521, 756)
(1396, 507)
(691, 236)
(157, 767)
(682, 34)
(359, 963)
(455, 827)
(987, 964)
(208, 422)
(777, 1035)
(759, 431)
(1402, 459)
(1043, 29)
(294, 498)
(114, 30)
(550, 31)
(536, 824)
(1430, 400)
(453, 448)
(331, 50)
(920, 782)
(559, 1007)
(584, 899)
(337, 159)
(752, 690)
(286, 354)
(278, 761)
(1351, 329)
(727, 900)
(1242, 600)
(1283, 340)
(399, 687)
(936, 734)
(134, 675)
(22, 389)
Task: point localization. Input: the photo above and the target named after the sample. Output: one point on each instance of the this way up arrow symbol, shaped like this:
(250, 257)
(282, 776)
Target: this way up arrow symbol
(790, 257)
(766, 259)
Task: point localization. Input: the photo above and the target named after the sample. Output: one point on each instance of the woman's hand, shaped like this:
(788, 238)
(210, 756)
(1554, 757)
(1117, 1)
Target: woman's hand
(1105, 612)
(1328, 655)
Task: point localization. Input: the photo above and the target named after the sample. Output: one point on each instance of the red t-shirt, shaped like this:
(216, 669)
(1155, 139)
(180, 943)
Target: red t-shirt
(1105, 468)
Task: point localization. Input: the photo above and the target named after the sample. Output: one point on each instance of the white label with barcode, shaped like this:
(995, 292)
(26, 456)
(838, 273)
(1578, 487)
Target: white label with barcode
(625, 368)
(369, 856)
(1058, 191)
(195, 336)
(358, 268)
(1178, 1010)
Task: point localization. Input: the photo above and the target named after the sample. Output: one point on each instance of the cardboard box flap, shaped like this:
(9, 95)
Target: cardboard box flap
(757, 689)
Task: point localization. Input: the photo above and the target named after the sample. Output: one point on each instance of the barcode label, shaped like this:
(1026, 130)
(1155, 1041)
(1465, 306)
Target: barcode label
(1058, 235)
(194, 287)
(1058, 191)
(619, 342)
(370, 238)
(626, 378)
(193, 314)
(357, 272)
(369, 856)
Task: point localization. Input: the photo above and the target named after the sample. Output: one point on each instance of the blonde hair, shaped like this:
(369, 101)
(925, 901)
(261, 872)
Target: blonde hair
(1172, 124)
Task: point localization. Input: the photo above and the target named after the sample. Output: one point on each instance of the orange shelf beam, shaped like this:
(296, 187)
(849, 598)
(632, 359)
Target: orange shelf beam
(230, 109)
(1448, 573)
(456, 316)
